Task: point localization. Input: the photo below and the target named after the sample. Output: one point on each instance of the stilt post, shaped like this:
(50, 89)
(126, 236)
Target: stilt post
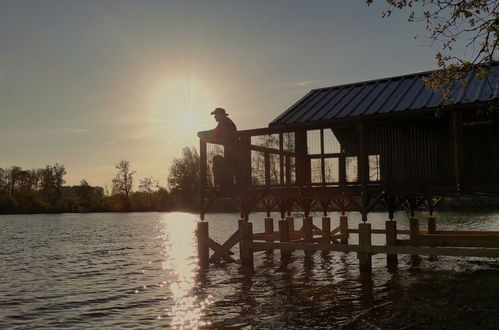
(414, 237)
(432, 225)
(291, 224)
(269, 228)
(203, 248)
(284, 236)
(246, 253)
(308, 227)
(326, 230)
(344, 229)
(391, 240)
(365, 262)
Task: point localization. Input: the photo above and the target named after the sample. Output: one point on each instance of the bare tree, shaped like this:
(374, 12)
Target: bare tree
(123, 181)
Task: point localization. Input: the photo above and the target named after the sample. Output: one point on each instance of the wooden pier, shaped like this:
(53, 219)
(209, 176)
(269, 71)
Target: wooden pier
(309, 238)
(364, 147)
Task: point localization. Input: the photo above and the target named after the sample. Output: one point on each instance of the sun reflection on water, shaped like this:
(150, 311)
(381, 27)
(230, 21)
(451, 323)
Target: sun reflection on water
(181, 262)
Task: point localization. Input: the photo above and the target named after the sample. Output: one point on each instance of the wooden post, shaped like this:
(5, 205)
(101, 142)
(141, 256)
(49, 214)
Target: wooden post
(203, 249)
(326, 230)
(308, 227)
(284, 237)
(269, 228)
(414, 237)
(391, 240)
(246, 253)
(344, 229)
(432, 225)
(365, 262)
(291, 224)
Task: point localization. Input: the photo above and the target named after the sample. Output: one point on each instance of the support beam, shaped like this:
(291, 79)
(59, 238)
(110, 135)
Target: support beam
(203, 248)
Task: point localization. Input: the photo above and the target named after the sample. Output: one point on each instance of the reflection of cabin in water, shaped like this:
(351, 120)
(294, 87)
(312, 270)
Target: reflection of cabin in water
(385, 143)
(381, 136)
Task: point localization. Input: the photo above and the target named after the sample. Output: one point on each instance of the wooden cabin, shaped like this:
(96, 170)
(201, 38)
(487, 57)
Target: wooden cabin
(367, 142)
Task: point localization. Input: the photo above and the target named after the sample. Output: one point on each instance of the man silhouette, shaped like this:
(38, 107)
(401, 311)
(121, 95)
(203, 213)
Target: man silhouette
(224, 168)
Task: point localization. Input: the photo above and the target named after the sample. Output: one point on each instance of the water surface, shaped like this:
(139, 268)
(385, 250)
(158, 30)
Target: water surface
(139, 270)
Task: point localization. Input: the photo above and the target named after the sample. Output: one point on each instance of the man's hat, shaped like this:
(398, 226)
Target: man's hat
(219, 111)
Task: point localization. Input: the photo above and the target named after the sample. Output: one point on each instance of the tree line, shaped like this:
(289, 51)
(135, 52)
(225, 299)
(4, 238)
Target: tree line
(43, 190)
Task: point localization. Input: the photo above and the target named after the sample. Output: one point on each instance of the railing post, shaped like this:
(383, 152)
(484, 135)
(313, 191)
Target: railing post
(308, 234)
(365, 262)
(246, 254)
(414, 237)
(284, 237)
(203, 248)
(344, 229)
(391, 240)
(326, 230)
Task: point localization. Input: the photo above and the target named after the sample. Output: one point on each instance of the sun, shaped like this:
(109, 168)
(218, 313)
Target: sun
(190, 122)
(182, 108)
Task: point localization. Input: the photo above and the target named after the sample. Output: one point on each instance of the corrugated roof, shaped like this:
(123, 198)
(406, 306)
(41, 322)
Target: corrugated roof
(395, 94)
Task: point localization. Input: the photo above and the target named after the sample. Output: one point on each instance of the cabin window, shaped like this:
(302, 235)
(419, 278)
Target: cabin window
(275, 168)
(257, 168)
(316, 170)
(374, 171)
(331, 144)
(331, 170)
(351, 169)
(314, 142)
(324, 151)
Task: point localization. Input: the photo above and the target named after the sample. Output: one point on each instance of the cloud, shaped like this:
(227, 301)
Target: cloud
(70, 130)
(302, 83)
(77, 130)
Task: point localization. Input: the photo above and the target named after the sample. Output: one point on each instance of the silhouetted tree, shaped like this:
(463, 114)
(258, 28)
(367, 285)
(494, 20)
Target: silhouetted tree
(123, 181)
(183, 179)
(148, 185)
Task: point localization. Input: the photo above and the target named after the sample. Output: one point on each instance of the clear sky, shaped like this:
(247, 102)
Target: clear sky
(88, 83)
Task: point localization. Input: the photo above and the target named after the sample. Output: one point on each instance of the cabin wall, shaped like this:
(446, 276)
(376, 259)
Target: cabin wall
(480, 149)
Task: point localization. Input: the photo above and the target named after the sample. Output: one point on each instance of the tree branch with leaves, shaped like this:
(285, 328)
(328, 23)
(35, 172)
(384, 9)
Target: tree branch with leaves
(449, 23)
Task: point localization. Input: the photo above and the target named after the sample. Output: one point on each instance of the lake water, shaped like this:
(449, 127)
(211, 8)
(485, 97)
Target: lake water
(139, 270)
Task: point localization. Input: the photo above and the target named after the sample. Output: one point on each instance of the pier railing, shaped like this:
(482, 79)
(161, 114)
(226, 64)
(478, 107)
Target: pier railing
(310, 238)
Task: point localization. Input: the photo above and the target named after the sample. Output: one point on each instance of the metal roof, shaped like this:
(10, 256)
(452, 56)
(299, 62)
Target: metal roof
(395, 94)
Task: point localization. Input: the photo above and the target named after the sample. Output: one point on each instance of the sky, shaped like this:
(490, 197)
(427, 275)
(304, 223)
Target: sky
(89, 83)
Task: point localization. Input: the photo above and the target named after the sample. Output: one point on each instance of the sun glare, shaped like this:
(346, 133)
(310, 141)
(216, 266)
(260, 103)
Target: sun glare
(181, 109)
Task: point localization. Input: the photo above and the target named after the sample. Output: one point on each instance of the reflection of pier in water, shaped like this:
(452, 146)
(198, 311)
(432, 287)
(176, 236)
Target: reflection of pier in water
(362, 147)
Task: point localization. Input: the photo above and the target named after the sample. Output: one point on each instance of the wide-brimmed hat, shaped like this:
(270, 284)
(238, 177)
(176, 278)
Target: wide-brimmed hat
(219, 111)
